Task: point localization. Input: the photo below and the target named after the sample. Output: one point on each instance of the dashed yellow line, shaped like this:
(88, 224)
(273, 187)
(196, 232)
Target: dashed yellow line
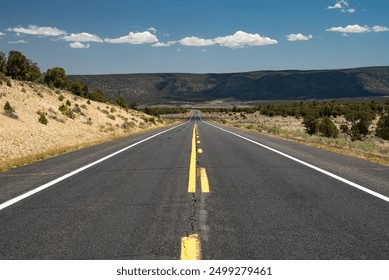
(204, 181)
(192, 164)
(191, 247)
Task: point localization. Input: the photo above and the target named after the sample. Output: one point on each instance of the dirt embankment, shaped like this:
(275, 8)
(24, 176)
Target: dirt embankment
(72, 123)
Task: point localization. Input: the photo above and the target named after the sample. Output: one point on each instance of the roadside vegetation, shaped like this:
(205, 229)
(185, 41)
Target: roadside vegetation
(46, 114)
(18, 67)
(354, 128)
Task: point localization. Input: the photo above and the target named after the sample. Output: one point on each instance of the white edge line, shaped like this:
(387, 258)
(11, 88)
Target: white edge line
(355, 185)
(55, 181)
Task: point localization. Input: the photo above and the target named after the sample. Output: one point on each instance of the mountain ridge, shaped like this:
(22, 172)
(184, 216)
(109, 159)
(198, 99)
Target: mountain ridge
(149, 88)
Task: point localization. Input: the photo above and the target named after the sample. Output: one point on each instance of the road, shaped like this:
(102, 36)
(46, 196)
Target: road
(196, 191)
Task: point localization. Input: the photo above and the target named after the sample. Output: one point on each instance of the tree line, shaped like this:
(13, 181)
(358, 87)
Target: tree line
(317, 116)
(18, 67)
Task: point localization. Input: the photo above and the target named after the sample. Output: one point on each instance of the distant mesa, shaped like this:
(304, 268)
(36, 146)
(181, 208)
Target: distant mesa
(248, 86)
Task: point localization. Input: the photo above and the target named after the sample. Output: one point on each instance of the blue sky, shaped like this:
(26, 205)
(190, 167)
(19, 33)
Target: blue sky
(98, 37)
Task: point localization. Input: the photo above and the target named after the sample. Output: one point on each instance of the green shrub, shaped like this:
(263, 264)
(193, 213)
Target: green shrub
(9, 111)
(56, 77)
(68, 103)
(3, 63)
(43, 119)
(328, 128)
(69, 113)
(121, 102)
(78, 88)
(8, 107)
(17, 65)
(62, 108)
(382, 129)
(76, 109)
(112, 117)
(311, 123)
(61, 97)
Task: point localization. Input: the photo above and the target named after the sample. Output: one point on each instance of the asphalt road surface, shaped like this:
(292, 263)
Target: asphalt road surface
(196, 191)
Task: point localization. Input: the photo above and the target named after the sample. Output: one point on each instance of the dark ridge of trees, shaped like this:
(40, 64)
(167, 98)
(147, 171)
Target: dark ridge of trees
(163, 111)
(316, 116)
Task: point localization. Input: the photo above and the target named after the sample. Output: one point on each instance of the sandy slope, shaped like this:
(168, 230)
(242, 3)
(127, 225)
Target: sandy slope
(25, 139)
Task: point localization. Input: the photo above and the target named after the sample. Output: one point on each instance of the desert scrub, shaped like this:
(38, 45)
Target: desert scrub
(127, 125)
(76, 109)
(62, 108)
(112, 117)
(61, 98)
(42, 119)
(147, 120)
(9, 111)
(382, 129)
(69, 113)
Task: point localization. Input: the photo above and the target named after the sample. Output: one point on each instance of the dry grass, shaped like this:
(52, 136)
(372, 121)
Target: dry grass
(289, 128)
(73, 123)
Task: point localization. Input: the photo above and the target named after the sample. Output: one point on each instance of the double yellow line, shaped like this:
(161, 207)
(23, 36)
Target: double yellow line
(194, 172)
(191, 245)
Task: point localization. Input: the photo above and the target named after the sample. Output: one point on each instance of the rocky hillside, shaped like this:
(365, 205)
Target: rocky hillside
(259, 85)
(36, 122)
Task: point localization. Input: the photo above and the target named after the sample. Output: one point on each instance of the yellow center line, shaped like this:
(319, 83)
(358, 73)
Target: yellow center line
(191, 247)
(204, 180)
(192, 165)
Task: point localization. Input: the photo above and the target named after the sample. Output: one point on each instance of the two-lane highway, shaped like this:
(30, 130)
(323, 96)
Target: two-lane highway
(198, 191)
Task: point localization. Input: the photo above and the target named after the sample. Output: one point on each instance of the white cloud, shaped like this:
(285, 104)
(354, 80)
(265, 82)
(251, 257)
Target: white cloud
(152, 30)
(134, 38)
(350, 29)
(18, 42)
(343, 6)
(78, 45)
(44, 31)
(379, 28)
(298, 37)
(82, 37)
(166, 44)
(336, 6)
(196, 42)
(242, 39)
(2, 34)
(238, 40)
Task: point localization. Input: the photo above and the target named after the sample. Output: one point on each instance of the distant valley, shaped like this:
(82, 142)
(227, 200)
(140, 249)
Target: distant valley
(172, 88)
